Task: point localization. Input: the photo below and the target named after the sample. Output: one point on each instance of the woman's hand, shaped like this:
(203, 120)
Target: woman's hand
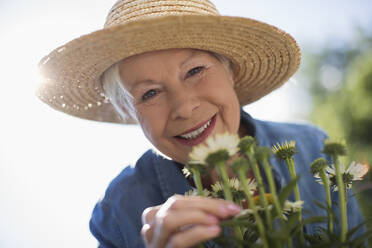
(184, 221)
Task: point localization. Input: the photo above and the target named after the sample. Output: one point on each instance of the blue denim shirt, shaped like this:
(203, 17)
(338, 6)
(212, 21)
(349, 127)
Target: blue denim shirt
(116, 219)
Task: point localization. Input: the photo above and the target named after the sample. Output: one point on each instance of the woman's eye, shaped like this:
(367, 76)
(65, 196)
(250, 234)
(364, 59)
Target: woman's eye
(149, 94)
(194, 71)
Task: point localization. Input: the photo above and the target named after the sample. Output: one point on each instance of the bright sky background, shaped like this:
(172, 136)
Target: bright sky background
(53, 168)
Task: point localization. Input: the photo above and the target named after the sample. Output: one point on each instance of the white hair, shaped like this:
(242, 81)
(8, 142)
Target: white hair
(121, 99)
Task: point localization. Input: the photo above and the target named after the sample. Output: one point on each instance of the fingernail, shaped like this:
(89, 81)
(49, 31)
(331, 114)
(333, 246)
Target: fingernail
(233, 207)
(223, 210)
(212, 219)
(214, 229)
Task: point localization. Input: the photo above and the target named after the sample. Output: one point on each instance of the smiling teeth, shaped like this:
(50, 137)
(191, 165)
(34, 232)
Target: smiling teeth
(197, 132)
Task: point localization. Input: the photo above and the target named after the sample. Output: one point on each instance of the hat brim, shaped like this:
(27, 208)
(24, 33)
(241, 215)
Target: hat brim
(264, 58)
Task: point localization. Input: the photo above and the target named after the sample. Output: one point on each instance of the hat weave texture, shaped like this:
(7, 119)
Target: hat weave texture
(263, 56)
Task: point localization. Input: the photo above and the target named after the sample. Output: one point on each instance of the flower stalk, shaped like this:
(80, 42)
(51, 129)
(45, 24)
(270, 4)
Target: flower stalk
(328, 198)
(342, 198)
(218, 159)
(197, 180)
(220, 165)
(258, 220)
(336, 149)
(263, 155)
(247, 147)
(286, 151)
(292, 173)
(225, 180)
(318, 169)
(241, 166)
(261, 190)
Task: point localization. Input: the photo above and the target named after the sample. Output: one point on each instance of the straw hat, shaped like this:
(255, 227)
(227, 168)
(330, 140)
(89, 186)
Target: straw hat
(264, 56)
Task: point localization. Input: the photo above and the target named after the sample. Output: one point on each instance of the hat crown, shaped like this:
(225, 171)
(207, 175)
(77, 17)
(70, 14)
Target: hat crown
(125, 11)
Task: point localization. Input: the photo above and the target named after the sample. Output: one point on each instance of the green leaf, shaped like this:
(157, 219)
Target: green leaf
(360, 241)
(286, 191)
(315, 219)
(325, 207)
(237, 222)
(354, 229)
(321, 205)
(293, 220)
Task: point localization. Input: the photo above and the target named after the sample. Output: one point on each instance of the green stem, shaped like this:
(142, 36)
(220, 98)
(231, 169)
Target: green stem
(261, 188)
(292, 173)
(342, 198)
(228, 195)
(274, 195)
(197, 181)
(225, 181)
(328, 199)
(252, 205)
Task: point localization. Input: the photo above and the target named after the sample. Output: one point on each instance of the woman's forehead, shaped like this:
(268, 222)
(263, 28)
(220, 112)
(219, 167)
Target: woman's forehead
(147, 64)
(174, 54)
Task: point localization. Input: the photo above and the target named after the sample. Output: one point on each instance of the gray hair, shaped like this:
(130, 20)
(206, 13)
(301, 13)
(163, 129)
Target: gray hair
(122, 100)
(119, 97)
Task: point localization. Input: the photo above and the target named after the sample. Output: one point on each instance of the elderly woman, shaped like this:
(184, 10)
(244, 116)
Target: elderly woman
(182, 72)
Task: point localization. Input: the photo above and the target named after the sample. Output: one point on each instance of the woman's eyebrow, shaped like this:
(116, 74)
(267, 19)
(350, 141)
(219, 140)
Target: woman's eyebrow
(140, 83)
(192, 55)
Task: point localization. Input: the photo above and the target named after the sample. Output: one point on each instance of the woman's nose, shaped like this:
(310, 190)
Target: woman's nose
(184, 103)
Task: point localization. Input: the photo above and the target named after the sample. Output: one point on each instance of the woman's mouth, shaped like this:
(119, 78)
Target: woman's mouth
(198, 134)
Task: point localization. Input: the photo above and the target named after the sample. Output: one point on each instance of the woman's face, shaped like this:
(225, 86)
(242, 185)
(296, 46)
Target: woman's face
(181, 97)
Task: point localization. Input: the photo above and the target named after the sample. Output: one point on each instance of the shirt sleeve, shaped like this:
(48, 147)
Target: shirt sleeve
(104, 227)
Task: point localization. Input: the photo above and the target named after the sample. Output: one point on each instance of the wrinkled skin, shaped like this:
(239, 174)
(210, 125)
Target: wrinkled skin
(172, 92)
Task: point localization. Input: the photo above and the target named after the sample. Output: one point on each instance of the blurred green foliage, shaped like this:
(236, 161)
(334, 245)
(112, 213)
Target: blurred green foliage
(340, 82)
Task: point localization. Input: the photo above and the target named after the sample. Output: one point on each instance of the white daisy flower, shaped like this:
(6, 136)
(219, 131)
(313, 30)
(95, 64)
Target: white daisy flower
(199, 154)
(292, 206)
(331, 170)
(186, 172)
(226, 141)
(355, 171)
(252, 185)
(358, 170)
(319, 180)
(246, 212)
(217, 187)
(195, 192)
(236, 185)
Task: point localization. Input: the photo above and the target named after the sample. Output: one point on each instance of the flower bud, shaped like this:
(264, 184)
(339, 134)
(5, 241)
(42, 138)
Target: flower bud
(285, 150)
(335, 147)
(318, 165)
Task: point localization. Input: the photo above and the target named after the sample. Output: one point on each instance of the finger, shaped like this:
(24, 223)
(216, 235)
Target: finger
(148, 214)
(175, 222)
(172, 222)
(194, 235)
(218, 207)
(147, 233)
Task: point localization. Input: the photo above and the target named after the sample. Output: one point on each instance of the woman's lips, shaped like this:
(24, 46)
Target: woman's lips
(195, 128)
(199, 139)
